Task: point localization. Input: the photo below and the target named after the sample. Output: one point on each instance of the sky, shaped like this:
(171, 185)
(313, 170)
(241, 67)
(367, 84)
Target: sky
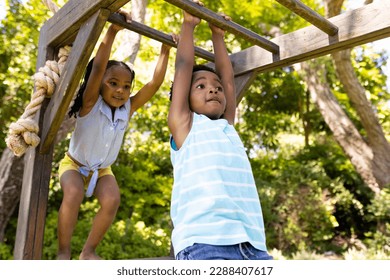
(383, 44)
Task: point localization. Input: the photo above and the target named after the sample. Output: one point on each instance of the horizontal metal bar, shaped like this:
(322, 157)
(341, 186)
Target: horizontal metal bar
(229, 26)
(155, 34)
(311, 16)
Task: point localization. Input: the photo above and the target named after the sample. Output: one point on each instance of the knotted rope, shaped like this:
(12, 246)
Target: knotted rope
(23, 133)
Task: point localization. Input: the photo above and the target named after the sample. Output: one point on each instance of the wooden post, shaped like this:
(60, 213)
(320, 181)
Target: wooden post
(36, 176)
(242, 83)
(37, 172)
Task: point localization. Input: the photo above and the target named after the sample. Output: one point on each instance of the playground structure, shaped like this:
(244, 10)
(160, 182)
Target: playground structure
(80, 23)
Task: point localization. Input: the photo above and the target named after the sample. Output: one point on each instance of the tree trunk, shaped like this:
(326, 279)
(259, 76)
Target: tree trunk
(130, 41)
(356, 92)
(380, 162)
(371, 159)
(344, 131)
(375, 136)
(11, 171)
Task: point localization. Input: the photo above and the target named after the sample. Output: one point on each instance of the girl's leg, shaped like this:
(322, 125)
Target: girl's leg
(107, 193)
(72, 185)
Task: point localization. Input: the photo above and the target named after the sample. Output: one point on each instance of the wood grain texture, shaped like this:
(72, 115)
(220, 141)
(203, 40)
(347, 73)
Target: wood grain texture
(360, 26)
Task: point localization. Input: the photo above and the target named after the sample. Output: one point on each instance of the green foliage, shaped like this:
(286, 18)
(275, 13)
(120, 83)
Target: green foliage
(369, 65)
(125, 239)
(19, 33)
(354, 254)
(128, 240)
(379, 212)
(305, 255)
(350, 254)
(5, 252)
(292, 195)
(319, 183)
(268, 107)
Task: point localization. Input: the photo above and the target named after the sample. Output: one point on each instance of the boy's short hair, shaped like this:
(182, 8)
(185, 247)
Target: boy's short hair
(196, 68)
(201, 67)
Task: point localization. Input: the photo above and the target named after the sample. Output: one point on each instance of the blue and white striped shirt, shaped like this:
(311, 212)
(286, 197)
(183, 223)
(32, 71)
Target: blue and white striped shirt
(214, 197)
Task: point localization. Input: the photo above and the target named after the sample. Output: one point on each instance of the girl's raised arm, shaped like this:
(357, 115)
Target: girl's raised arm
(148, 90)
(99, 65)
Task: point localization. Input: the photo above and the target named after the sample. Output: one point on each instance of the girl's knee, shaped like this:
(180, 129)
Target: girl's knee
(110, 202)
(107, 192)
(73, 194)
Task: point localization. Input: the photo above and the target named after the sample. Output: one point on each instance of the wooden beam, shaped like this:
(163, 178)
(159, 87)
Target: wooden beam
(35, 187)
(62, 28)
(242, 83)
(75, 66)
(310, 15)
(366, 24)
(33, 203)
(155, 34)
(229, 26)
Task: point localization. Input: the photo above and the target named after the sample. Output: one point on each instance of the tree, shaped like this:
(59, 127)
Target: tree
(130, 41)
(370, 157)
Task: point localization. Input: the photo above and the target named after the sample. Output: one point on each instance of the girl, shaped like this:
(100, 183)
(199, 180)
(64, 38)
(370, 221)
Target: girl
(103, 107)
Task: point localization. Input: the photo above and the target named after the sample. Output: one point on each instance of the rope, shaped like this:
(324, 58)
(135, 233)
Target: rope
(23, 133)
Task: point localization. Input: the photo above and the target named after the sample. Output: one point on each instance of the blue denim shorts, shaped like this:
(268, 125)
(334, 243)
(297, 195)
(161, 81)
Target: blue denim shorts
(242, 251)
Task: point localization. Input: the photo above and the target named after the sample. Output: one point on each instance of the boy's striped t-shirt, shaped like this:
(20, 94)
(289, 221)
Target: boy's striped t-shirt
(214, 197)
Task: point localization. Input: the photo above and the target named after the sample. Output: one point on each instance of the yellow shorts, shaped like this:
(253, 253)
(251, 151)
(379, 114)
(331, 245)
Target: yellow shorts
(68, 164)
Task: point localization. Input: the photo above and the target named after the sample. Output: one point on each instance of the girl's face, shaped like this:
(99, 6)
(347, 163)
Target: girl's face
(116, 86)
(207, 95)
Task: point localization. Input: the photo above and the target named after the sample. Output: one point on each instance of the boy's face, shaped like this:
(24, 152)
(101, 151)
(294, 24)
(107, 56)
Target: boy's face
(116, 86)
(207, 95)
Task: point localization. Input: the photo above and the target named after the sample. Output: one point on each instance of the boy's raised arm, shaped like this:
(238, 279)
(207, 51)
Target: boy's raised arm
(223, 67)
(180, 117)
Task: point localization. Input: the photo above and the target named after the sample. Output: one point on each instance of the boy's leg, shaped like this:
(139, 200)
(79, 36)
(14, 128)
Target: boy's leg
(251, 253)
(107, 193)
(72, 185)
